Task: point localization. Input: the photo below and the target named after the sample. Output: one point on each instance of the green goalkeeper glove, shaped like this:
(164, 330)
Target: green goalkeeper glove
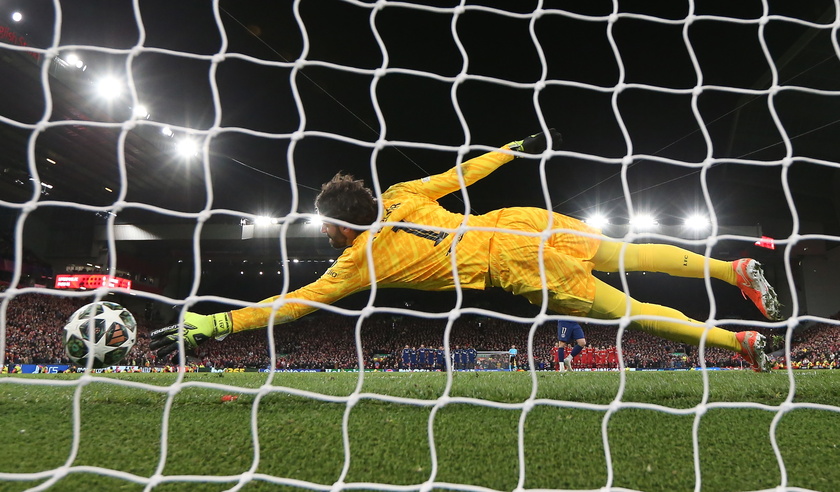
(536, 144)
(198, 328)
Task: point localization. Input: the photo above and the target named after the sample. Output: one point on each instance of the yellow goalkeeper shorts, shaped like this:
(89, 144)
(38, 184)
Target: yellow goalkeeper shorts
(515, 261)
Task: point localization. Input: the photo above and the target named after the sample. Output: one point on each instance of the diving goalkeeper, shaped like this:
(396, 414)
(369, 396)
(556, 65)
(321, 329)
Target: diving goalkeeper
(416, 243)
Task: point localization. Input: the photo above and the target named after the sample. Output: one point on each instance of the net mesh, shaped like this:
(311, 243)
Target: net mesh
(678, 92)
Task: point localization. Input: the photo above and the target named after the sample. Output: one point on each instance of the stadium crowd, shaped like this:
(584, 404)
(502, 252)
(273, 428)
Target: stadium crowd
(817, 346)
(324, 340)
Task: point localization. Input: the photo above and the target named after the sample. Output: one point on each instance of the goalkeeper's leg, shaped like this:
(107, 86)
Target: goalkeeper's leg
(611, 303)
(663, 258)
(744, 273)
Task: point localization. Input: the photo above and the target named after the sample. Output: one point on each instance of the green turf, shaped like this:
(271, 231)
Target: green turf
(300, 438)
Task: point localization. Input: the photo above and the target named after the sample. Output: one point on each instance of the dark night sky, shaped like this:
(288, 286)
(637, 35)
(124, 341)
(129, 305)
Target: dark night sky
(495, 100)
(251, 173)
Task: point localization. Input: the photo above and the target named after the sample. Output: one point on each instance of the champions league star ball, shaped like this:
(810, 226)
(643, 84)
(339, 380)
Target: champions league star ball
(114, 332)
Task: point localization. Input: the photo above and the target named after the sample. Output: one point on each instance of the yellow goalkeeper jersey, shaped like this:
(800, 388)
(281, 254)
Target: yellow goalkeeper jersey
(420, 245)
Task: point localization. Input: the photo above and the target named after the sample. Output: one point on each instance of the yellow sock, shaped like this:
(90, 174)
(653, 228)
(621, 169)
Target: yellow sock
(611, 303)
(663, 258)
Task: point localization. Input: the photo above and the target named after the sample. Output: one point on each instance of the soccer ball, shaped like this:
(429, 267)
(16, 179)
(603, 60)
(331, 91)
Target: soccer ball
(114, 333)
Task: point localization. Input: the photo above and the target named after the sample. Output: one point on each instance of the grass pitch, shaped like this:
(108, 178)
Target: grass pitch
(289, 431)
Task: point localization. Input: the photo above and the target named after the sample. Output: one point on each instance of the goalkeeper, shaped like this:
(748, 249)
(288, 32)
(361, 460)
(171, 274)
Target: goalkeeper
(416, 243)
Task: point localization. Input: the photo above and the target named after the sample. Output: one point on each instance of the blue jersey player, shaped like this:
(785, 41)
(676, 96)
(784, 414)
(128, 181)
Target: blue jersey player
(568, 332)
(407, 355)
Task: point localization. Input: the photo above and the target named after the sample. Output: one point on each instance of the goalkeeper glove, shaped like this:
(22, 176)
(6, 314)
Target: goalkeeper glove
(198, 328)
(536, 144)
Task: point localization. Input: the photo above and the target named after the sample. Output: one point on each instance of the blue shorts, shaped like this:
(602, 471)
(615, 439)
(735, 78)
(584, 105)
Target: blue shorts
(569, 331)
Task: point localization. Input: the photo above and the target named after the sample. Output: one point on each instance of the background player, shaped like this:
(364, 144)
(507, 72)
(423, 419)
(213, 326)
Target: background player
(512, 353)
(568, 332)
(472, 356)
(555, 356)
(421, 245)
(407, 354)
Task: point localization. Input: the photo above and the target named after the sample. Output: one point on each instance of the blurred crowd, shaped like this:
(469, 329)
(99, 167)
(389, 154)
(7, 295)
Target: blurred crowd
(325, 340)
(817, 346)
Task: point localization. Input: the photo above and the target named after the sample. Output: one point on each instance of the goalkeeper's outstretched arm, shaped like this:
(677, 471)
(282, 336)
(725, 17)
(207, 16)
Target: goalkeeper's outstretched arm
(337, 282)
(345, 199)
(439, 185)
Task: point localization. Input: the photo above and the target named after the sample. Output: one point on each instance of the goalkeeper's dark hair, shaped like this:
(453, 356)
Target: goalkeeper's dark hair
(345, 198)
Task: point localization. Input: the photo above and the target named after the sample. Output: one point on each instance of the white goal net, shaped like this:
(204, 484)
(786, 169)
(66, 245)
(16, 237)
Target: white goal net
(166, 156)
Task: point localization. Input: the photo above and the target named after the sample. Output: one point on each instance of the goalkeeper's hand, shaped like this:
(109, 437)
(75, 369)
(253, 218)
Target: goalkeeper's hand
(198, 328)
(536, 143)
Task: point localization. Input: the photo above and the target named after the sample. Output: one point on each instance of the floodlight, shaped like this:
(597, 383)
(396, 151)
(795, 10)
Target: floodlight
(316, 221)
(643, 222)
(109, 87)
(43, 184)
(263, 220)
(141, 112)
(74, 60)
(17, 16)
(186, 148)
(598, 221)
(167, 131)
(697, 222)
